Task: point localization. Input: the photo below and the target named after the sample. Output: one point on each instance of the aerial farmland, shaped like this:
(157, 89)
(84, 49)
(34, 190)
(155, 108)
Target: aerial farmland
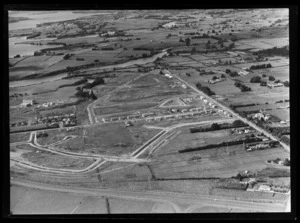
(149, 111)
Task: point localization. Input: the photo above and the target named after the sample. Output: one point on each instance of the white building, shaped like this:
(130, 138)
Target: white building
(272, 85)
(28, 102)
(243, 73)
(169, 25)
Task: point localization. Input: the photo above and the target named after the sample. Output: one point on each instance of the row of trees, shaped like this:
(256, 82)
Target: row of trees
(205, 90)
(257, 79)
(222, 144)
(241, 86)
(282, 51)
(278, 131)
(231, 73)
(215, 126)
(260, 66)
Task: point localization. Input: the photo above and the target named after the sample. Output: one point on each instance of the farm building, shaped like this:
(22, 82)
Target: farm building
(260, 116)
(169, 25)
(243, 73)
(28, 102)
(264, 188)
(216, 80)
(257, 146)
(272, 85)
(168, 75)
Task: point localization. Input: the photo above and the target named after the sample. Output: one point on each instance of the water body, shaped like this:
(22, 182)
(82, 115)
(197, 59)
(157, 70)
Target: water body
(37, 18)
(60, 76)
(26, 49)
(45, 17)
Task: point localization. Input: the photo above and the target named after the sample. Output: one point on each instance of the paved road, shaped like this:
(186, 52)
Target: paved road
(286, 147)
(174, 199)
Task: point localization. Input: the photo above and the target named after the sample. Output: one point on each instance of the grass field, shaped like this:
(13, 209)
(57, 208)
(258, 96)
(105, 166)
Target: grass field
(19, 137)
(147, 87)
(110, 139)
(31, 201)
(221, 162)
(42, 87)
(53, 160)
(120, 206)
(216, 162)
(123, 108)
(57, 135)
(33, 64)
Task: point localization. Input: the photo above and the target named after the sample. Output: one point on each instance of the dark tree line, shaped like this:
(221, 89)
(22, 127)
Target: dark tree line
(282, 51)
(241, 86)
(260, 66)
(205, 89)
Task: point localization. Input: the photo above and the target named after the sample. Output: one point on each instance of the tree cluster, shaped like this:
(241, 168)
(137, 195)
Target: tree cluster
(97, 81)
(241, 86)
(205, 90)
(67, 56)
(255, 79)
(275, 51)
(85, 94)
(222, 144)
(231, 73)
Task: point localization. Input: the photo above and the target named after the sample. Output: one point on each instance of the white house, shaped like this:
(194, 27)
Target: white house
(169, 25)
(272, 85)
(28, 102)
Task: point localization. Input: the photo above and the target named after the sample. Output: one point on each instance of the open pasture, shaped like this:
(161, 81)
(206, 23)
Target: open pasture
(123, 108)
(132, 24)
(110, 139)
(19, 137)
(57, 135)
(42, 87)
(144, 92)
(52, 160)
(282, 114)
(60, 94)
(217, 162)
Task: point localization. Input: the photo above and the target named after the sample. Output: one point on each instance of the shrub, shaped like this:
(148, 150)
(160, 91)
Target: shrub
(227, 71)
(271, 78)
(238, 123)
(286, 83)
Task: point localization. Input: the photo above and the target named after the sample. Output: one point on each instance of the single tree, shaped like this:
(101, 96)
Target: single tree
(187, 41)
